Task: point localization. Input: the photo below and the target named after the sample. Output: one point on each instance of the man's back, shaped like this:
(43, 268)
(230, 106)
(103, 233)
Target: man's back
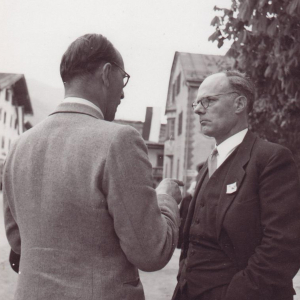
(74, 185)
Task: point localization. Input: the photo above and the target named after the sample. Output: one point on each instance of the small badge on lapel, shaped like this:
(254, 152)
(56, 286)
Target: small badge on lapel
(231, 188)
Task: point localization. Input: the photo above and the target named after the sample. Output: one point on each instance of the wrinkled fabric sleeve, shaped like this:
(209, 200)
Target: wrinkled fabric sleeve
(145, 223)
(11, 226)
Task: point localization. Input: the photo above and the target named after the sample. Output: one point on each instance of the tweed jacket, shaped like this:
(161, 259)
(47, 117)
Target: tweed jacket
(258, 220)
(80, 208)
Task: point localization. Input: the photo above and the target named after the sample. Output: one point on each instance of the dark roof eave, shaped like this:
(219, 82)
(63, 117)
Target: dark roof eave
(170, 110)
(194, 82)
(153, 145)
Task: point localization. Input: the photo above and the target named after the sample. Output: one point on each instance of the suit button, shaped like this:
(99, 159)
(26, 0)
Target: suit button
(197, 221)
(202, 204)
(193, 252)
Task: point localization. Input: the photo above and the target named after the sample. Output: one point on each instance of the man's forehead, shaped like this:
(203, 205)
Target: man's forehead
(213, 84)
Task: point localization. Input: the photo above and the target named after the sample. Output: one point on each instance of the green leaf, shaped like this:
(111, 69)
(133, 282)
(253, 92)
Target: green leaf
(272, 28)
(215, 21)
(293, 7)
(215, 36)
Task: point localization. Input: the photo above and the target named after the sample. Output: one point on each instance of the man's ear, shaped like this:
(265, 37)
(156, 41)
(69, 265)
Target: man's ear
(241, 104)
(106, 73)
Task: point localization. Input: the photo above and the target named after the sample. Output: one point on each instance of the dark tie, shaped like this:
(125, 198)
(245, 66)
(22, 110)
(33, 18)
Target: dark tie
(212, 162)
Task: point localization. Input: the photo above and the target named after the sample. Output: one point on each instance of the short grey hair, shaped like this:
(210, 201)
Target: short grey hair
(243, 85)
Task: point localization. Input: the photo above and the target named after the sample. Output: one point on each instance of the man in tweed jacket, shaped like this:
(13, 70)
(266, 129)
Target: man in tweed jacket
(78, 199)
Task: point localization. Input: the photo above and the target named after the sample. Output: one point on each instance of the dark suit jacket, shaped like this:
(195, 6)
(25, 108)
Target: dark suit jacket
(258, 225)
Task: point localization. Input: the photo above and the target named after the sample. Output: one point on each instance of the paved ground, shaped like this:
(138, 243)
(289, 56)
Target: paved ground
(157, 285)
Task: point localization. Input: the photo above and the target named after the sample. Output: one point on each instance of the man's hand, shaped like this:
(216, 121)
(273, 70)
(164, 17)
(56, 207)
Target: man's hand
(171, 187)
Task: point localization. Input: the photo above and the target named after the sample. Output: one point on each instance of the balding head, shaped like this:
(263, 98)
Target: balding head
(243, 85)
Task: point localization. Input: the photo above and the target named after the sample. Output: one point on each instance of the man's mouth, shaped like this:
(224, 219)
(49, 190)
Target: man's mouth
(203, 121)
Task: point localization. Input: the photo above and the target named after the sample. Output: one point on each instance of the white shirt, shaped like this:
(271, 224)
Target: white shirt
(229, 145)
(83, 101)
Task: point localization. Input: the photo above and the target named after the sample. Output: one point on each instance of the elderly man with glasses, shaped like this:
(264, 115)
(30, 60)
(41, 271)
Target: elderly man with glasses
(78, 198)
(241, 239)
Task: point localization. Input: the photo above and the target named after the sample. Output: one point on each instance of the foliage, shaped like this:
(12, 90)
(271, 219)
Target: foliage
(266, 46)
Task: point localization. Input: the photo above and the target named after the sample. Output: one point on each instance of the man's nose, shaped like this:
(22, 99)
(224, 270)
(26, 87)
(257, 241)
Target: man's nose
(199, 109)
(122, 95)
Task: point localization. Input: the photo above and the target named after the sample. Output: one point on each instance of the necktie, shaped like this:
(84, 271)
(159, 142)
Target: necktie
(212, 162)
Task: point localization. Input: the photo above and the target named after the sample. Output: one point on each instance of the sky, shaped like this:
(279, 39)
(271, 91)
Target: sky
(34, 34)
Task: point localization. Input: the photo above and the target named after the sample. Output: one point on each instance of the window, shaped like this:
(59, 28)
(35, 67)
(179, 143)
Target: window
(173, 93)
(180, 124)
(178, 84)
(160, 160)
(7, 94)
(178, 161)
(4, 118)
(3, 142)
(16, 123)
(170, 128)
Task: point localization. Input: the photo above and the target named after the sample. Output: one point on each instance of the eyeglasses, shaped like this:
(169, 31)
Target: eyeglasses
(206, 101)
(126, 75)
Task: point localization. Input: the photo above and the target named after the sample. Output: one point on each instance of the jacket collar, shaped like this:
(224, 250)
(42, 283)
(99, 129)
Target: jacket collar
(78, 108)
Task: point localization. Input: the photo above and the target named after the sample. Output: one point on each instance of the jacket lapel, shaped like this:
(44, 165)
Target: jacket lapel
(234, 178)
(69, 107)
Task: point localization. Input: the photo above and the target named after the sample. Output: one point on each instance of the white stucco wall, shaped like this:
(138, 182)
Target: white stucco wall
(8, 120)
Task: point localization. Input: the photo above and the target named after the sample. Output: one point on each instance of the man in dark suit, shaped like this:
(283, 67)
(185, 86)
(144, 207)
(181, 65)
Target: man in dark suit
(242, 234)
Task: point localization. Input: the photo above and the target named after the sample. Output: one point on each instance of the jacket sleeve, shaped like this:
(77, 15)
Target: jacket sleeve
(145, 223)
(11, 226)
(276, 260)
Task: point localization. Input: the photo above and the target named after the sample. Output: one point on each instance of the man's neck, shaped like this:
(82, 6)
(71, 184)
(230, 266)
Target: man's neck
(232, 132)
(81, 90)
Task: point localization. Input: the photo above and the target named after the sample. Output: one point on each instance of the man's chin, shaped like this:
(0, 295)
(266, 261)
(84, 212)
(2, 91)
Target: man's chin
(205, 131)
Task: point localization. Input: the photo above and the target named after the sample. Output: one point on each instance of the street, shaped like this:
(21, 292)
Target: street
(157, 285)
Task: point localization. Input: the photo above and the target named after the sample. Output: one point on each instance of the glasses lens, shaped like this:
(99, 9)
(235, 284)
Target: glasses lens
(125, 80)
(205, 102)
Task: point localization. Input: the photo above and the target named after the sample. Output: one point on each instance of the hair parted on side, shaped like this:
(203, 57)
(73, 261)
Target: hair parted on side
(243, 85)
(84, 55)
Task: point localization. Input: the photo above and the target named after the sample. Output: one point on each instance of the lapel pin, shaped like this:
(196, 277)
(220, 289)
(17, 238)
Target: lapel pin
(231, 188)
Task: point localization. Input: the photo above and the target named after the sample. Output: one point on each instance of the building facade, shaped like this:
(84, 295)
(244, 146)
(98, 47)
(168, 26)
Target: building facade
(185, 146)
(14, 104)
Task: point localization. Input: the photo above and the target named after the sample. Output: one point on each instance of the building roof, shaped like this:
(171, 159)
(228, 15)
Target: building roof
(195, 67)
(198, 66)
(138, 125)
(18, 83)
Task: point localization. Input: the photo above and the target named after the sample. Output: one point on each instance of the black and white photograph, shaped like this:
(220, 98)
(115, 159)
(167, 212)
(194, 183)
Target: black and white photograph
(150, 150)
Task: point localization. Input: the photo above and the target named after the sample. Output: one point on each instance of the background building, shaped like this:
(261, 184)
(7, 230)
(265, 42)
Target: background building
(185, 145)
(14, 104)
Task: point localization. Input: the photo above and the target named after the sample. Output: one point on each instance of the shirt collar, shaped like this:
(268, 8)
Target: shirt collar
(231, 143)
(83, 101)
